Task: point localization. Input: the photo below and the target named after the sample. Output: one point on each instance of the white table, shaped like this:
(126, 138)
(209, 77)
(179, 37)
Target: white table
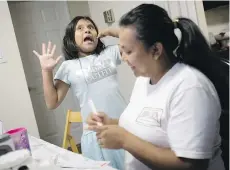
(42, 150)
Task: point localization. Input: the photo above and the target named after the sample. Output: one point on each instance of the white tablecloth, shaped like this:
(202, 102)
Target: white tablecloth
(42, 150)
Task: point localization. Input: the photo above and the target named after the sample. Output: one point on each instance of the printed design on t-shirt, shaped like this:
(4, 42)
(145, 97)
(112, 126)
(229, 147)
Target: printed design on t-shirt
(100, 70)
(150, 117)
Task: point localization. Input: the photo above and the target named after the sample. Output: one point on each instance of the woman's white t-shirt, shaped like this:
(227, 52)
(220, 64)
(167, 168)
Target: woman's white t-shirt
(180, 112)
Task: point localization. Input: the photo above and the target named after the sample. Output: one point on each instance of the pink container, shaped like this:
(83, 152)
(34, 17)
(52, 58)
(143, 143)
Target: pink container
(20, 138)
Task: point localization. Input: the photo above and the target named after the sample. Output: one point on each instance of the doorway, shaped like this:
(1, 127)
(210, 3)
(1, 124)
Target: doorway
(36, 22)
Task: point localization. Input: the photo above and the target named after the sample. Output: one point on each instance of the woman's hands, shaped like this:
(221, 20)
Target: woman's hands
(99, 118)
(111, 136)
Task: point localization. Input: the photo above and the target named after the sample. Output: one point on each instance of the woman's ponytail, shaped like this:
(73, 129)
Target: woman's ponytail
(195, 51)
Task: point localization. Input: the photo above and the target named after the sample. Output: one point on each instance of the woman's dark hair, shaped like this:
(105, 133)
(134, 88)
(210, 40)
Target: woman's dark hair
(153, 24)
(70, 48)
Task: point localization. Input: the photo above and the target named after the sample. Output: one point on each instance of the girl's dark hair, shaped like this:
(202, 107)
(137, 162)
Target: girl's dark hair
(70, 48)
(153, 24)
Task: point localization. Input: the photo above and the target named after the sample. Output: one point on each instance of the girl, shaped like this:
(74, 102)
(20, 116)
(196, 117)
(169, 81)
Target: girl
(90, 71)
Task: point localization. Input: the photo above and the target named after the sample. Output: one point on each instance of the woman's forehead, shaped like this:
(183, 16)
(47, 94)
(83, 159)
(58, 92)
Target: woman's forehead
(127, 36)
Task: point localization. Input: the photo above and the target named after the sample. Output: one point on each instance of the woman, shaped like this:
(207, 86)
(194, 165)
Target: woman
(90, 71)
(171, 121)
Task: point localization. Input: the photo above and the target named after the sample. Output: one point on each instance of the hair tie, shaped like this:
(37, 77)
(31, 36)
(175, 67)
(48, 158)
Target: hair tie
(175, 22)
(178, 34)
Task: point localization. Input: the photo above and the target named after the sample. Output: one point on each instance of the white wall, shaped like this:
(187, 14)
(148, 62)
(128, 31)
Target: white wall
(15, 105)
(218, 19)
(201, 18)
(77, 8)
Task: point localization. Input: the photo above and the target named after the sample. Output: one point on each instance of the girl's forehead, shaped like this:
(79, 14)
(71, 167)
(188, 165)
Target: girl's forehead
(84, 22)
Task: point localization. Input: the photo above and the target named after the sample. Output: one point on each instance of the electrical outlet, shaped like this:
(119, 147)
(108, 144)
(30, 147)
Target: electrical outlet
(109, 16)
